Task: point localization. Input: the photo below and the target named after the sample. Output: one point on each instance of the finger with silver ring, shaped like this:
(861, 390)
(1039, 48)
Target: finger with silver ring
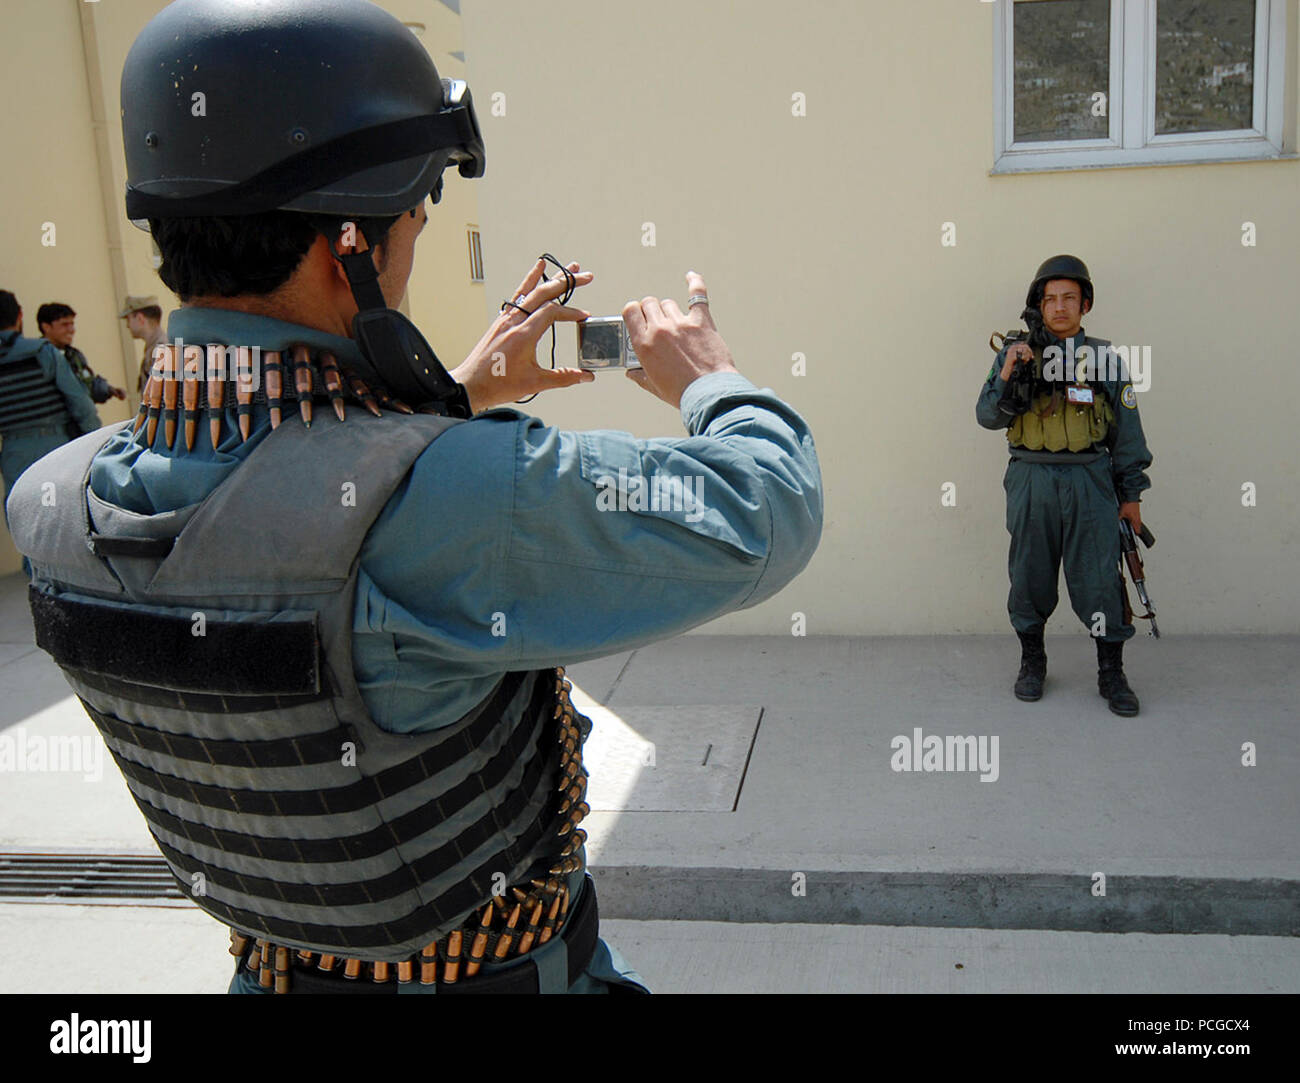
(698, 295)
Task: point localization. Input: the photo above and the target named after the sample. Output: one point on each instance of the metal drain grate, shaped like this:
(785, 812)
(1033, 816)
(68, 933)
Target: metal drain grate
(86, 878)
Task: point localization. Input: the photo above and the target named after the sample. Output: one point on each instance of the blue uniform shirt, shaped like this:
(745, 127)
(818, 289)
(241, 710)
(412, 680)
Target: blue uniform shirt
(514, 545)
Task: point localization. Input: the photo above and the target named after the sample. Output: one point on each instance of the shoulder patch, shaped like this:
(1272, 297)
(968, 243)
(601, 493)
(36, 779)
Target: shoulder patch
(1129, 397)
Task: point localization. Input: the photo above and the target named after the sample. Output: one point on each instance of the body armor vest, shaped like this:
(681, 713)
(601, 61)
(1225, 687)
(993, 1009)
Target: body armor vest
(1053, 424)
(29, 398)
(218, 669)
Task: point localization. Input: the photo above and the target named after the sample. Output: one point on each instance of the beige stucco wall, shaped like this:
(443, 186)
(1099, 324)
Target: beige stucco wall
(45, 81)
(820, 235)
(51, 175)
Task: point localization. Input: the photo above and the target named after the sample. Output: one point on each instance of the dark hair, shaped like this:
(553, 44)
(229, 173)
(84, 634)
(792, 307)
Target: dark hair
(9, 309)
(153, 312)
(229, 256)
(51, 311)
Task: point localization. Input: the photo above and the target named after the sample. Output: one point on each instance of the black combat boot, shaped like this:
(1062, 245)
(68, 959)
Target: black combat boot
(1110, 679)
(1033, 666)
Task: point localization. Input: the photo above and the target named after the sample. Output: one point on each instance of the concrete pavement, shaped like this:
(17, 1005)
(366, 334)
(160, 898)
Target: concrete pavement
(759, 780)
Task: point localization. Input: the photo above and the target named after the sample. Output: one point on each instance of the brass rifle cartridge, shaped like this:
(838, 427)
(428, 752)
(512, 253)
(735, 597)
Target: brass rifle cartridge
(273, 374)
(451, 967)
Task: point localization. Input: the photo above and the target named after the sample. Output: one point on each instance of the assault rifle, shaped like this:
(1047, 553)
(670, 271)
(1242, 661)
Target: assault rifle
(1022, 384)
(1128, 545)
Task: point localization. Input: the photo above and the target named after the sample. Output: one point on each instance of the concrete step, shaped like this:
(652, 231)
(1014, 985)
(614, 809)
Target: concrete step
(131, 949)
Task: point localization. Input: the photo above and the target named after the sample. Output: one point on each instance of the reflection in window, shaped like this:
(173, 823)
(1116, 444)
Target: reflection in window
(1205, 65)
(1062, 59)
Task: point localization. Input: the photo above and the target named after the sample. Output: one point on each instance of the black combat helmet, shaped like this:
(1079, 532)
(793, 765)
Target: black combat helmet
(330, 108)
(233, 107)
(1059, 267)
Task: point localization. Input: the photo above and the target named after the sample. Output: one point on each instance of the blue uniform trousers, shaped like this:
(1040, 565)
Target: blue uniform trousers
(22, 448)
(1067, 515)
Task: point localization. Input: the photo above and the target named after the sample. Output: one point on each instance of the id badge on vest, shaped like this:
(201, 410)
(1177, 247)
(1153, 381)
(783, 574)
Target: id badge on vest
(1080, 396)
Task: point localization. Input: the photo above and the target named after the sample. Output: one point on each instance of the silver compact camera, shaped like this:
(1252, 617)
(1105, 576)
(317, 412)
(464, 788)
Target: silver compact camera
(603, 344)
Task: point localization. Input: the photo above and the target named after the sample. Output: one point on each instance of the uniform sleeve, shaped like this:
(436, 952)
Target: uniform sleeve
(1129, 454)
(100, 389)
(73, 390)
(986, 408)
(535, 546)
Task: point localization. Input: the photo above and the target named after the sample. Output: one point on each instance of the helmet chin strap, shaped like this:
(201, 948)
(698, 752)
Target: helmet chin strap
(363, 275)
(397, 355)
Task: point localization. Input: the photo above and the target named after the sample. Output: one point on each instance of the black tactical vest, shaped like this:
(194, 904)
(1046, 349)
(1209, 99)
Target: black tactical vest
(29, 398)
(211, 645)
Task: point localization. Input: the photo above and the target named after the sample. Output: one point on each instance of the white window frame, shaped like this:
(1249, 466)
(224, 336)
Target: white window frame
(1132, 100)
(475, 237)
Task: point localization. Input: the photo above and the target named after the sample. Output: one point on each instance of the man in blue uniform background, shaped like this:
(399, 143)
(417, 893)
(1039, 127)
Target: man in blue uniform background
(493, 555)
(42, 403)
(58, 324)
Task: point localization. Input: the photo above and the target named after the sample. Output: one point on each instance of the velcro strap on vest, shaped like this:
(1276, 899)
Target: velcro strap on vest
(230, 657)
(131, 547)
(205, 702)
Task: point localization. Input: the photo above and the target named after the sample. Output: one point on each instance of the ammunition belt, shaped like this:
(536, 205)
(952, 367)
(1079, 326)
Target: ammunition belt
(509, 926)
(185, 392)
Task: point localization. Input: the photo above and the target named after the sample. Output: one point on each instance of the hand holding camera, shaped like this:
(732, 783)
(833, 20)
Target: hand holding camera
(675, 348)
(503, 367)
(662, 348)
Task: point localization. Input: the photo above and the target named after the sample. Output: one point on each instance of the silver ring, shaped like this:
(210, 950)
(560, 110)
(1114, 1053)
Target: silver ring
(697, 299)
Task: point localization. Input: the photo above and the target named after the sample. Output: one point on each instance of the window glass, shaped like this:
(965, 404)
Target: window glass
(1205, 65)
(1062, 58)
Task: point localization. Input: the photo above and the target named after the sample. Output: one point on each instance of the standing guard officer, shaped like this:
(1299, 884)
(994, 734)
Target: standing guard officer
(1077, 448)
(324, 645)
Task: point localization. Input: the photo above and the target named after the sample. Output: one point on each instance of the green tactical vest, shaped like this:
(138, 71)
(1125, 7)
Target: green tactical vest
(1052, 424)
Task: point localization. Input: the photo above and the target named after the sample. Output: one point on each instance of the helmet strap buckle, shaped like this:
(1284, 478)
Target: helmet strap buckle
(397, 354)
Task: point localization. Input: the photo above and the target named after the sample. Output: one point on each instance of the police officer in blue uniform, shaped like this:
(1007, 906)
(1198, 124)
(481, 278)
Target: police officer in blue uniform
(42, 403)
(1078, 454)
(325, 645)
(58, 324)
